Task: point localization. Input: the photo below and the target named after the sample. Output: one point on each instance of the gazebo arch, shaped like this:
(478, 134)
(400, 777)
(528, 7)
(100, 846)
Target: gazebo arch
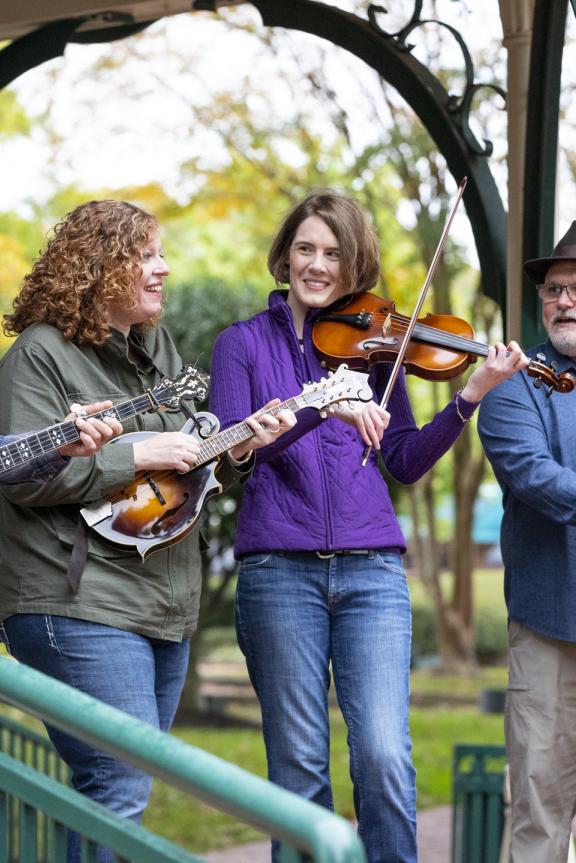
(444, 115)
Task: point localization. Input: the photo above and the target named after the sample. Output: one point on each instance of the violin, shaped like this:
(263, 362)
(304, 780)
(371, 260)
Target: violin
(363, 329)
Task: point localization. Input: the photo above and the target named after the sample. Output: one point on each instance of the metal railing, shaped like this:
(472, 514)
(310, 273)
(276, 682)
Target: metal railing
(307, 831)
(31, 748)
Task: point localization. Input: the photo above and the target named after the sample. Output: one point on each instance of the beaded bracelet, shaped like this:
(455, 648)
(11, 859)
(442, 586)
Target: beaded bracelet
(457, 405)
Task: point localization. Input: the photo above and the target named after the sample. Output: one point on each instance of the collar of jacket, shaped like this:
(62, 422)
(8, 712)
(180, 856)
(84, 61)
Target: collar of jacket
(279, 308)
(143, 342)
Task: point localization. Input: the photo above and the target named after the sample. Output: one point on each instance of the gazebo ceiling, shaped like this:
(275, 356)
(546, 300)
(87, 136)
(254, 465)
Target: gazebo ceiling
(18, 17)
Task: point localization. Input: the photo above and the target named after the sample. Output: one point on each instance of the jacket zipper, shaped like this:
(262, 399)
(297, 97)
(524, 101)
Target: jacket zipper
(318, 444)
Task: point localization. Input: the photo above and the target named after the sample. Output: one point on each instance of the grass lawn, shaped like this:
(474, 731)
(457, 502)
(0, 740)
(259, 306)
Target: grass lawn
(488, 588)
(200, 828)
(435, 731)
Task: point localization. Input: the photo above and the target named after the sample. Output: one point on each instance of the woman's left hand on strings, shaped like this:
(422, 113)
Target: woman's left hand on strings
(502, 362)
(94, 433)
(267, 428)
(369, 418)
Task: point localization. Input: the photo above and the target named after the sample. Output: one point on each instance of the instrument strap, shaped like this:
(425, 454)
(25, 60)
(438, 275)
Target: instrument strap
(79, 556)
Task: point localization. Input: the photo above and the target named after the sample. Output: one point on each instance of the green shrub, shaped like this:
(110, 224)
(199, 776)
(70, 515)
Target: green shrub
(490, 629)
(424, 641)
(490, 635)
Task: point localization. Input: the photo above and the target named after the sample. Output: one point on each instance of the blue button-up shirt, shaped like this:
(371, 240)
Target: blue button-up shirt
(41, 469)
(530, 440)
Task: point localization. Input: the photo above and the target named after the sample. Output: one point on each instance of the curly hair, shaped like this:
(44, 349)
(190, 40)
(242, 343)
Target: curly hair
(359, 249)
(92, 260)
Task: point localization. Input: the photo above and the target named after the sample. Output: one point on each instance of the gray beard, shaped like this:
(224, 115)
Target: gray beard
(565, 343)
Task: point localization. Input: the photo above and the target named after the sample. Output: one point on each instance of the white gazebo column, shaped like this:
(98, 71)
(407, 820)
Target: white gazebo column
(517, 17)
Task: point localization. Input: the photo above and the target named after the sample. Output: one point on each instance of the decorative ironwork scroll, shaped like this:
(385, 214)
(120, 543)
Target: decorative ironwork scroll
(461, 105)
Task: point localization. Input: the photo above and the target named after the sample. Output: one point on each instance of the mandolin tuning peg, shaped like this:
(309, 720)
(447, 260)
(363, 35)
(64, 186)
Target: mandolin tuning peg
(554, 366)
(537, 383)
(541, 357)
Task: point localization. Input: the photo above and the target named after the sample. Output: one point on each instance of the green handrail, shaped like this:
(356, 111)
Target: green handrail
(325, 837)
(95, 823)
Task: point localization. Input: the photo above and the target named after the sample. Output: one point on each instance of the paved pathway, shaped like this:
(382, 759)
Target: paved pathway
(433, 842)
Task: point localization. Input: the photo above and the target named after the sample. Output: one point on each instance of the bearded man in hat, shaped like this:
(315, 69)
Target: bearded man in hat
(530, 440)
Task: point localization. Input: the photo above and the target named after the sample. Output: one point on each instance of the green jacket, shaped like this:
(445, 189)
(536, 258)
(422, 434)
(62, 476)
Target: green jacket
(40, 377)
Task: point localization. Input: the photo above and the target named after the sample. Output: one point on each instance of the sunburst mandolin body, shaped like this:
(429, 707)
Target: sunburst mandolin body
(159, 507)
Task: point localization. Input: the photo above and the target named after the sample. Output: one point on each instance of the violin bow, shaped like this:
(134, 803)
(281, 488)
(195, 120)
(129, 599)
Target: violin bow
(413, 320)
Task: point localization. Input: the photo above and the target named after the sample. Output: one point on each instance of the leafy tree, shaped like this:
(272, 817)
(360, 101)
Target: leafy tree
(195, 314)
(263, 154)
(13, 118)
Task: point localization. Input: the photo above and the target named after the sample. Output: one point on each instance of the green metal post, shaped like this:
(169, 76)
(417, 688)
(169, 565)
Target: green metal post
(548, 33)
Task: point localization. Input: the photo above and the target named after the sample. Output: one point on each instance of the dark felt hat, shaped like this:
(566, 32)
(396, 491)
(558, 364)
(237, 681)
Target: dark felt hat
(565, 250)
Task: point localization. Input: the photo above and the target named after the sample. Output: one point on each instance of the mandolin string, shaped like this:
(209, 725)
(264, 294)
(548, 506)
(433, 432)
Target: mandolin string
(208, 451)
(211, 448)
(233, 435)
(47, 440)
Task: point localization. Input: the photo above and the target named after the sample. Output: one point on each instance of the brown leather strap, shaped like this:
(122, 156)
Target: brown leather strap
(79, 556)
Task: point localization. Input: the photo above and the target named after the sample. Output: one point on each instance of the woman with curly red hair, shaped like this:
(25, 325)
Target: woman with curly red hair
(87, 323)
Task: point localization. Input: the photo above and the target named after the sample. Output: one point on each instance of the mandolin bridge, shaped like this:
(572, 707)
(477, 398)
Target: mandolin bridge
(154, 486)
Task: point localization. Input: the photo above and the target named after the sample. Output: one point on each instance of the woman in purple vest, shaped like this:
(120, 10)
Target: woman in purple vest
(321, 578)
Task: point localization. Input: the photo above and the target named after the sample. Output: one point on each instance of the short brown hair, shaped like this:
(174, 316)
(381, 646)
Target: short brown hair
(93, 259)
(359, 249)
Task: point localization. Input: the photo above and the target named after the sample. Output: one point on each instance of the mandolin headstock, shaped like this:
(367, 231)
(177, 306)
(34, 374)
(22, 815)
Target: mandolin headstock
(188, 384)
(342, 385)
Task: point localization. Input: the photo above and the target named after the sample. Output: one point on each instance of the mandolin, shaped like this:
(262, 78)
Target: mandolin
(189, 384)
(160, 508)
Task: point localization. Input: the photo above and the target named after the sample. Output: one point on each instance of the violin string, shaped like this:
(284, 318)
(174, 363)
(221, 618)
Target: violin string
(446, 339)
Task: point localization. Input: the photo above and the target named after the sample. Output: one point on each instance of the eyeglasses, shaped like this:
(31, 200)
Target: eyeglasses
(551, 293)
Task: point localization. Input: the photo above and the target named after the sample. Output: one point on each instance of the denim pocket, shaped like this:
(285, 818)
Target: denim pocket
(391, 563)
(250, 561)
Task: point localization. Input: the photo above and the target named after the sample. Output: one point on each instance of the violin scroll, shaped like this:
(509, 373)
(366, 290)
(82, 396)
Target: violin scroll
(545, 373)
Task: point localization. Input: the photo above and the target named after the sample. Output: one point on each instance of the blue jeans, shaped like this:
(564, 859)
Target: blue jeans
(296, 614)
(141, 676)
